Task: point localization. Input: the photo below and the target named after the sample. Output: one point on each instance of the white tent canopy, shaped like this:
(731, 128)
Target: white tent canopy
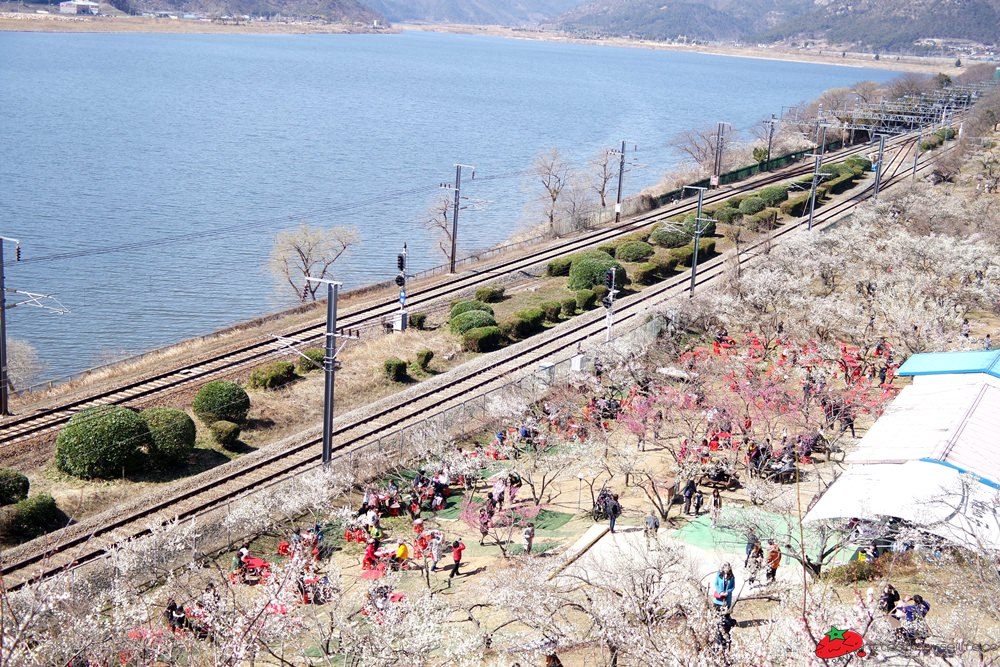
(932, 459)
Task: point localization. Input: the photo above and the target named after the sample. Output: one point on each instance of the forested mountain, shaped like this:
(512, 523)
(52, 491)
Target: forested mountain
(872, 24)
(481, 12)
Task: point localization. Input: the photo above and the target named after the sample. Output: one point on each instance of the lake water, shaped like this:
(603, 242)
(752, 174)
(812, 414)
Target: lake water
(147, 174)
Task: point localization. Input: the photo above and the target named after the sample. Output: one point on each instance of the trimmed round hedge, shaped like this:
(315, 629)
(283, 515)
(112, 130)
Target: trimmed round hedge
(313, 359)
(395, 369)
(728, 216)
(667, 236)
(469, 305)
(752, 205)
(13, 486)
(774, 194)
(100, 441)
(225, 433)
(222, 400)
(589, 269)
(34, 516)
(482, 339)
(172, 434)
(707, 228)
(471, 319)
(634, 251)
(273, 375)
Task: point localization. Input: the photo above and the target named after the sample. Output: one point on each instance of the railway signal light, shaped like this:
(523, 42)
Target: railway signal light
(400, 280)
(606, 301)
(609, 279)
(17, 253)
(401, 261)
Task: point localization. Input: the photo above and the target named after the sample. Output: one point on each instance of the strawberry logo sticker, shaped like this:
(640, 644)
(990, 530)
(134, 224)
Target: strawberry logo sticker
(836, 643)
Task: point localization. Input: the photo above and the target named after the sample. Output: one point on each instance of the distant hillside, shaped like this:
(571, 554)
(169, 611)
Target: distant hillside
(340, 11)
(478, 12)
(871, 24)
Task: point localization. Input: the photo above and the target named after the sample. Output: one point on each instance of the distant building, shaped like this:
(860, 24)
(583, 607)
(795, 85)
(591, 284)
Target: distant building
(79, 7)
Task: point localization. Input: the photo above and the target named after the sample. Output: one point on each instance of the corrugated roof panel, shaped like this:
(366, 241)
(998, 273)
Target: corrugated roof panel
(931, 363)
(975, 446)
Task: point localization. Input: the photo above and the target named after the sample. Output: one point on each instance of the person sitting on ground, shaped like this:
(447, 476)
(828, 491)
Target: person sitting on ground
(437, 504)
(399, 559)
(369, 561)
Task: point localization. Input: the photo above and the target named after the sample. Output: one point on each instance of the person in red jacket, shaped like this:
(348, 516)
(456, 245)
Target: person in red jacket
(457, 547)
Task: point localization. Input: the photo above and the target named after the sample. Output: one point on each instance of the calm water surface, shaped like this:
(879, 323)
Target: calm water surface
(219, 141)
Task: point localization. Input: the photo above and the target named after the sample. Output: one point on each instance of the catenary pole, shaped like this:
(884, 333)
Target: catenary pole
(329, 369)
(621, 176)
(454, 216)
(878, 169)
(697, 239)
(4, 379)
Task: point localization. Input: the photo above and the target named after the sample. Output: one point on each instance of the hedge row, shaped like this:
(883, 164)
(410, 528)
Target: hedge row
(471, 319)
(32, 517)
(466, 305)
(273, 375)
(483, 339)
(490, 294)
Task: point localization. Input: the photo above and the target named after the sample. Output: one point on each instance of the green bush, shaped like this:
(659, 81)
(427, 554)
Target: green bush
(35, 516)
(272, 376)
(172, 434)
(490, 294)
(471, 319)
(646, 273)
(728, 216)
(841, 183)
(761, 221)
(634, 251)
(600, 291)
(610, 247)
(100, 441)
(707, 228)
(668, 236)
(773, 195)
(418, 320)
(585, 299)
(560, 266)
(528, 322)
(483, 339)
(312, 361)
(394, 368)
(551, 310)
(752, 205)
(568, 307)
(706, 249)
(665, 266)
(796, 206)
(13, 486)
(857, 570)
(589, 269)
(683, 255)
(859, 162)
(469, 305)
(225, 433)
(221, 400)
(424, 359)
(734, 202)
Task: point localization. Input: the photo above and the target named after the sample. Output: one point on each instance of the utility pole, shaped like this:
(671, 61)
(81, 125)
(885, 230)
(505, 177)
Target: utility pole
(4, 377)
(609, 301)
(916, 152)
(717, 168)
(770, 140)
(31, 300)
(816, 167)
(621, 176)
(457, 187)
(697, 235)
(330, 362)
(878, 168)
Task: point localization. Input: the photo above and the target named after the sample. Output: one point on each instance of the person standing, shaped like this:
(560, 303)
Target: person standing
(725, 583)
(652, 526)
(528, 538)
(699, 499)
(987, 343)
(773, 560)
(751, 540)
(484, 524)
(755, 561)
(614, 511)
(457, 547)
(889, 598)
(688, 493)
(716, 507)
(437, 549)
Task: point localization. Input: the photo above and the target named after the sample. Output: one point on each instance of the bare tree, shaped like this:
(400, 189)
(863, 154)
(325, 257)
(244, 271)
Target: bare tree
(699, 145)
(553, 172)
(309, 251)
(23, 365)
(604, 173)
(438, 220)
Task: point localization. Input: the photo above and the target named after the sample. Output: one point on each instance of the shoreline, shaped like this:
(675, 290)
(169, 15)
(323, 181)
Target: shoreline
(890, 62)
(57, 23)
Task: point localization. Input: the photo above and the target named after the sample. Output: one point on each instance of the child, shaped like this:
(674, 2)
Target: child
(528, 537)
(699, 499)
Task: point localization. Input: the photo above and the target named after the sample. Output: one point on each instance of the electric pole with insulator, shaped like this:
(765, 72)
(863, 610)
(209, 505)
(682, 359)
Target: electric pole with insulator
(878, 166)
(770, 140)
(719, 143)
(457, 187)
(621, 176)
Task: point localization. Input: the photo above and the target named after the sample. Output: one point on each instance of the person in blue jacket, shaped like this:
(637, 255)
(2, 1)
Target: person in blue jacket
(722, 591)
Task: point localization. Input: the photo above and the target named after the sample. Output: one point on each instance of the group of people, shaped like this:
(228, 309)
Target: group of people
(194, 618)
(757, 558)
(694, 497)
(906, 617)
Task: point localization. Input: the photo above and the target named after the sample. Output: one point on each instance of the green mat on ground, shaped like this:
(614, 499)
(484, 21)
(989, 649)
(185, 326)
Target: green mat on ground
(551, 520)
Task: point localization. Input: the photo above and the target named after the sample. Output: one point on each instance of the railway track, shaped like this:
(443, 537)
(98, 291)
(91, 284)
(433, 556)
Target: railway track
(46, 421)
(77, 545)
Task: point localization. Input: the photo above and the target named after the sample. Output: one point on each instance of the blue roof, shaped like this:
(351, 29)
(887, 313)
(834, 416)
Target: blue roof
(947, 363)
